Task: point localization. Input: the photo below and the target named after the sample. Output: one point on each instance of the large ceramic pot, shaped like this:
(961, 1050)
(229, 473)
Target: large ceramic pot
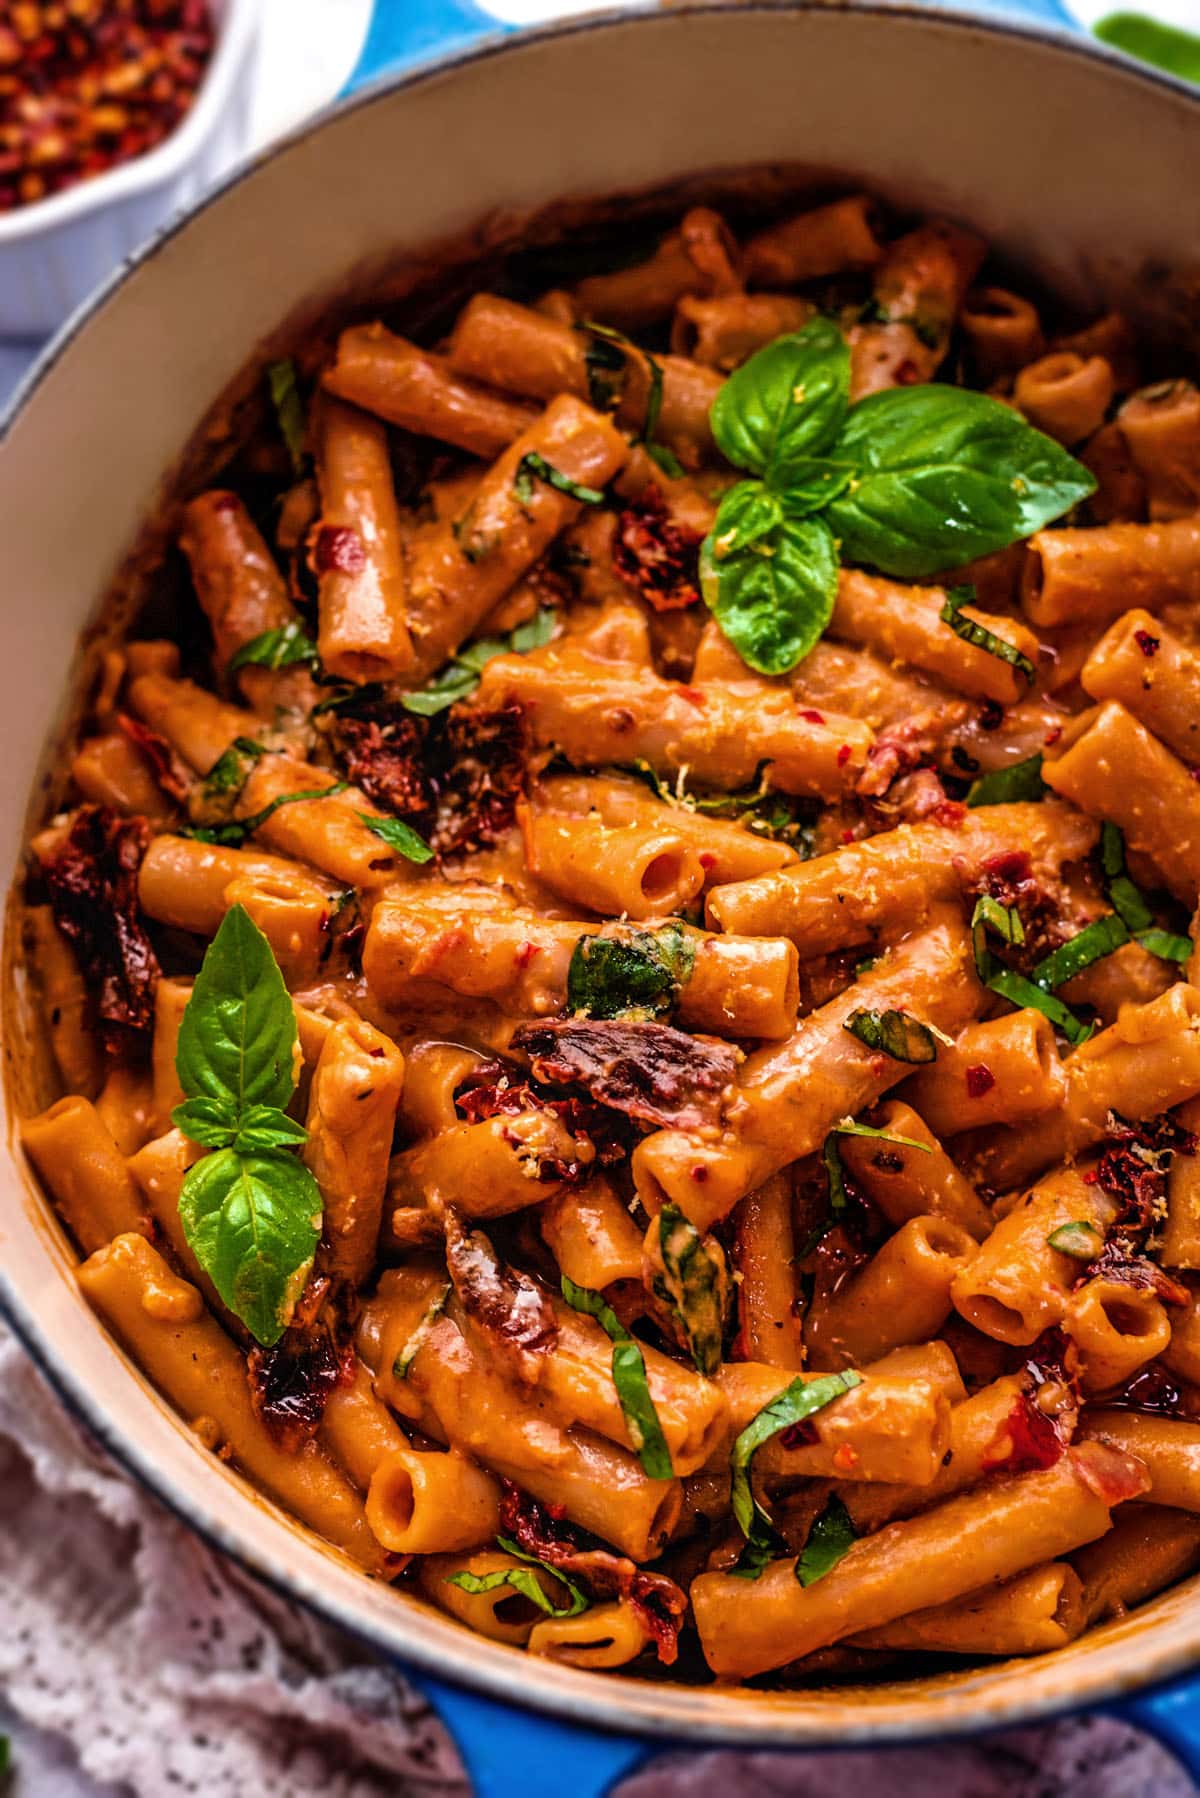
(1074, 161)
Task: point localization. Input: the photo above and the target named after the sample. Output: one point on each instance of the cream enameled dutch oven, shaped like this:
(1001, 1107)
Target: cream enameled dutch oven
(1076, 162)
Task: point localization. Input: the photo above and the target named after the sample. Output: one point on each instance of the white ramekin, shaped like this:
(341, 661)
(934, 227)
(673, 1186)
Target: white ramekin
(53, 253)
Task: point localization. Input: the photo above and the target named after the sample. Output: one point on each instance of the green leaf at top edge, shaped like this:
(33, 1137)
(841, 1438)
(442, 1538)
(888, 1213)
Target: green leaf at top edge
(786, 404)
(237, 1036)
(773, 599)
(398, 836)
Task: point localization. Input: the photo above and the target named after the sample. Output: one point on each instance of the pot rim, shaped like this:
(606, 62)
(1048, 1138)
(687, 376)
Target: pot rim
(645, 1708)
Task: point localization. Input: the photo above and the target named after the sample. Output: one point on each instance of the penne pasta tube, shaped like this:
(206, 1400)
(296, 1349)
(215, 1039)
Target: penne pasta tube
(1109, 765)
(730, 851)
(193, 720)
(491, 1168)
(697, 258)
(1181, 1228)
(606, 1635)
(170, 1003)
(420, 392)
(767, 1296)
(330, 831)
(160, 1167)
(293, 914)
(1161, 426)
(65, 1002)
(999, 1072)
(1182, 1355)
(125, 1106)
(982, 1537)
(822, 241)
(161, 1320)
(357, 1428)
(976, 1446)
(428, 1503)
(1116, 1329)
(918, 288)
(901, 1296)
(186, 883)
(1065, 394)
(458, 571)
(84, 1172)
(905, 1182)
(1018, 1283)
(781, 1110)
(110, 770)
(850, 895)
(1129, 976)
(1145, 1063)
(1154, 675)
(357, 550)
(1120, 496)
(1038, 1611)
(597, 711)
(1002, 328)
(904, 624)
(1089, 576)
(1168, 1450)
(591, 1235)
(1147, 1548)
(433, 1073)
(352, 1102)
(722, 331)
(628, 870)
(455, 1396)
(501, 1614)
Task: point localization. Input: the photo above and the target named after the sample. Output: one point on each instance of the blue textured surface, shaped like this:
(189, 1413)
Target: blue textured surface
(511, 1753)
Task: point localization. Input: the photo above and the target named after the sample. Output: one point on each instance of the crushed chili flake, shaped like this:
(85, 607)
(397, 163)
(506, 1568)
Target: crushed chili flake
(655, 556)
(1146, 643)
(980, 1079)
(1043, 1417)
(843, 755)
(338, 548)
(813, 717)
(1052, 735)
(92, 879)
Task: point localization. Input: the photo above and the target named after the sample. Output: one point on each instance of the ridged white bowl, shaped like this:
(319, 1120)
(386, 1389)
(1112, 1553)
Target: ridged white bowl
(53, 253)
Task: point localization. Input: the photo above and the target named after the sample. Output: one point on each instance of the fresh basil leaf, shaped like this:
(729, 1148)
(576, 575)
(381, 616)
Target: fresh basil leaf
(896, 1033)
(848, 1127)
(830, 1539)
(535, 631)
(448, 686)
(761, 1547)
(237, 1036)
(785, 405)
(747, 512)
(1126, 899)
(525, 1581)
(236, 830)
(533, 466)
(617, 343)
(283, 647)
(1166, 47)
(629, 1378)
(945, 475)
(284, 388)
(797, 1402)
(1004, 786)
(642, 973)
(1095, 941)
(1005, 920)
(835, 1174)
(263, 1127)
(692, 1285)
(231, 769)
(212, 1123)
(1166, 945)
(1082, 1242)
(412, 1348)
(1013, 986)
(774, 598)
(398, 836)
(666, 459)
(460, 677)
(253, 1224)
(978, 635)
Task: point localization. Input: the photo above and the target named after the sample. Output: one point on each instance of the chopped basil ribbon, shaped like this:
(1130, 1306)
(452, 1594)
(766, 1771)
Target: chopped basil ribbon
(229, 772)
(830, 1539)
(251, 1212)
(978, 635)
(460, 677)
(285, 647)
(1131, 905)
(839, 1202)
(1019, 780)
(691, 1284)
(898, 1034)
(419, 1337)
(797, 1402)
(629, 1378)
(398, 836)
(617, 342)
(1081, 1241)
(848, 1127)
(911, 481)
(1006, 981)
(638, 975)
(284, 389)
(234, 831)
(523, 1580)
(605, 362)
(533, 467)
(1096, 940)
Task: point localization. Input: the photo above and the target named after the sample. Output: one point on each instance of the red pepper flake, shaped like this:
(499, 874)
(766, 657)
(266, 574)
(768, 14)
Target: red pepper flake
(1052, 735)
(655, 556)
(847, 836)
(525, 954)
(1146, 643)
(980, 1080)
(707, 859)
(843, 755)
(699, 1173)
(338, 549)
(948, 812)
(693, 695)
(813, 717)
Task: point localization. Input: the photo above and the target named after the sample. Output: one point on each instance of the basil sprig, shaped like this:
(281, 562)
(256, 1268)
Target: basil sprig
(250, 1210)
(1003, 786)
(639, 975)
(523, 1580)
(398, 836)
(460, 677)
(830, 1540)
(910, 481)
(629, 1378)
(286, 646)
(797, 1402)
(897, 1033)
(692, 1284)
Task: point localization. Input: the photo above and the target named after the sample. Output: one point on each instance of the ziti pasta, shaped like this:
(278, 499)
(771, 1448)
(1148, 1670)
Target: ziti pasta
(618, 968)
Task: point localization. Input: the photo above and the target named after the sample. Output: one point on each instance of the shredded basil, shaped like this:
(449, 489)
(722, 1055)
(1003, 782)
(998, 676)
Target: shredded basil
(1005, 920)
(1004, 786)
(523, 1580)
(830, 1539)
(284, 388)
(896, 1033)
(1166, 944)
(692, 1284)
(415, 1343)
(797, 1402)
(605, 363)
(534, 467)
(231, 769)
(236, 830)
(616, 341)
(1131, 905)
(398, 836)
(284, 647)
(639, 975)
(1095, 941)
(460, 677)
(1081, 1241)
(1166, 47)
(978, 635)
(629, 1378)
(1006, 981)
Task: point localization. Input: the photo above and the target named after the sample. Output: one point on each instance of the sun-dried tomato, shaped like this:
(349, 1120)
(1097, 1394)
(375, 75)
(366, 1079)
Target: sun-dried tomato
(658, 558)
(92, 880)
